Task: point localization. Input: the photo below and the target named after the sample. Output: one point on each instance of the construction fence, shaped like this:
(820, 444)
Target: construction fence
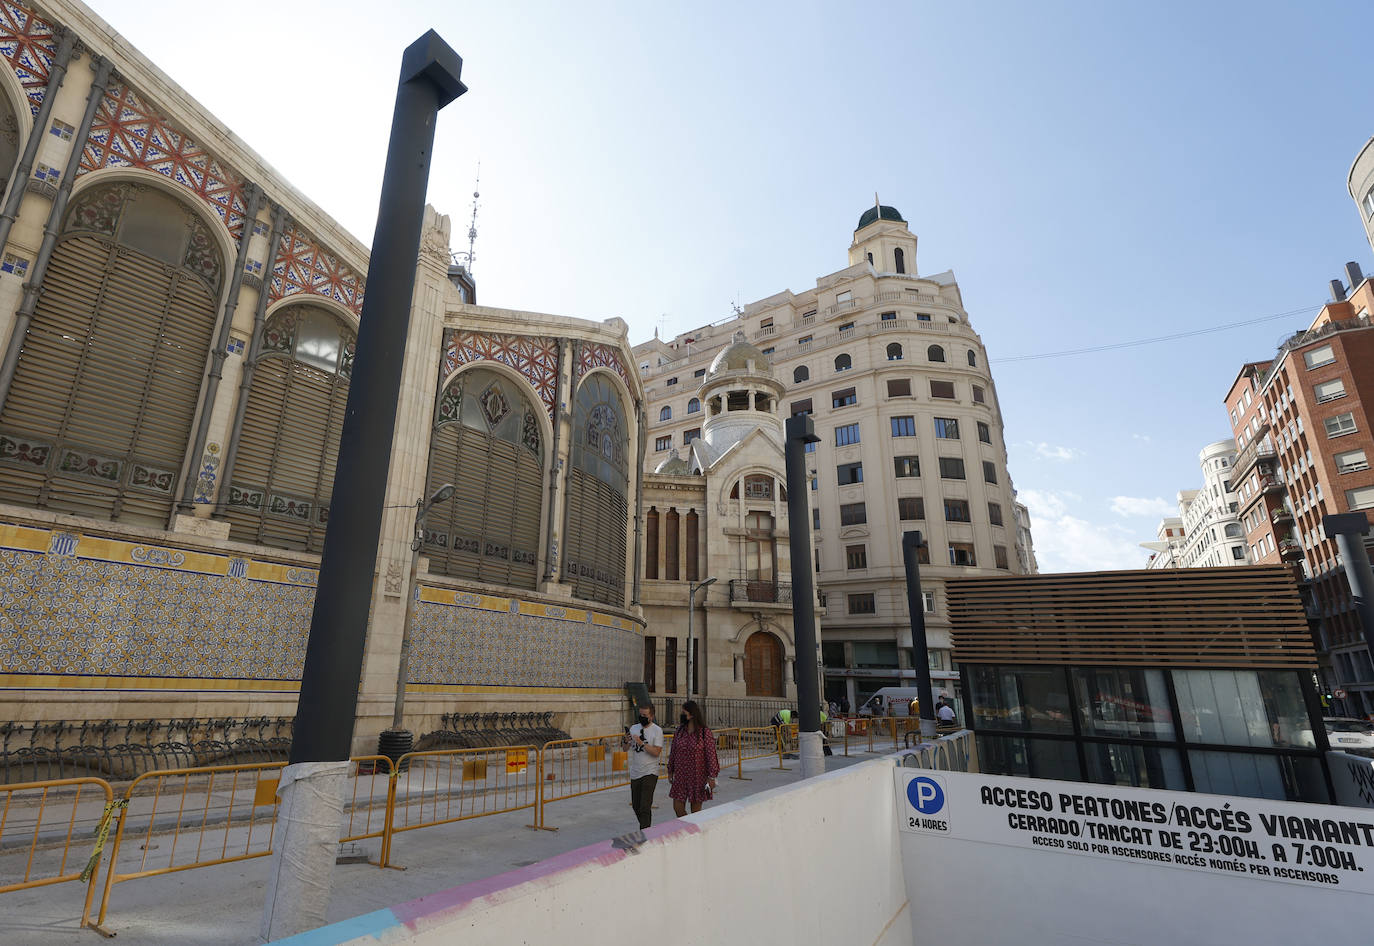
(170, 820)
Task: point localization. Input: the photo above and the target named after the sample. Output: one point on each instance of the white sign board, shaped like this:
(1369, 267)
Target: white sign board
(1316, 846)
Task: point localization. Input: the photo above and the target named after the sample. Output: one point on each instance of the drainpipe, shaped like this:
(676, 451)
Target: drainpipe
(34, 287)
(250, 361)
(19, 178)
(221, 351)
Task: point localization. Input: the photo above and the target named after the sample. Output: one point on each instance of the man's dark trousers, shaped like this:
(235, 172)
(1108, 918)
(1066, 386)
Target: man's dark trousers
(642, 799)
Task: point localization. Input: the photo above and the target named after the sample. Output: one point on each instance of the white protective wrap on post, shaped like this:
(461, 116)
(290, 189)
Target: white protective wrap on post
(309, 823)
(811, 751)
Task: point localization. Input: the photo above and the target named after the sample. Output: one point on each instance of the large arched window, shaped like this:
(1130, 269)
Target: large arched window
(900, 259)
(843, 363)
(763, 665)
(801, 374)
(487, 443)
(666, 413)
(693, 406)
(894, 351)
(598, 489)
(99, 415)
(972, 358)
(1234, 531)
(935, 353)
(11, 140)
(283, 472)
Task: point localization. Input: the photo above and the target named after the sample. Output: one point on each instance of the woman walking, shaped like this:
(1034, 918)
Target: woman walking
(692, 763)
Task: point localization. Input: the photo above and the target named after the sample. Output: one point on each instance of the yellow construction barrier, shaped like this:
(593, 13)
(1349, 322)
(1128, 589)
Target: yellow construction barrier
(573, 767)
(54, 831)
(447, 785)
(368, 811)
(215, 814)
(758, 742)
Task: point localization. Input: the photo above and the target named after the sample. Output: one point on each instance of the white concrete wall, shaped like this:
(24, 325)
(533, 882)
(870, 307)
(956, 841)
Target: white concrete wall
(816, 862)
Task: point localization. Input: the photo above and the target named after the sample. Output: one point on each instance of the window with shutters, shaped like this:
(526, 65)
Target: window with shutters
(848, 474)
(103, 399)
(488, 443)
(598, 486)
(853, 514)
(651, 543)
(283, 474)
(899, 387)
(650, 662)
(800, 374)
(843, 398)
(951, 468)
(670, 665)
(907, 466)
(942, 389)
(693, 553)
(672, 546)
(911, 507)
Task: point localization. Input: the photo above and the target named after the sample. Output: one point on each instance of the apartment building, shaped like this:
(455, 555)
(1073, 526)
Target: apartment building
(1207, 532)
(1166, 549)
(1306, 455)
(897, 381)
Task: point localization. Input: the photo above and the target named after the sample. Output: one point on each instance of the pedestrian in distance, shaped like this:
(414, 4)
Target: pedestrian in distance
(645, 742)
(945, 714)
(692, 762)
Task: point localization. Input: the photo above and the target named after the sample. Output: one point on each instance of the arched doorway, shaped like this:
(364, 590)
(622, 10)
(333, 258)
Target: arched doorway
(763, 665)
(598, 485)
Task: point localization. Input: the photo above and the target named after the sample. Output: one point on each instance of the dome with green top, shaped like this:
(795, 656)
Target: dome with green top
(881, 212)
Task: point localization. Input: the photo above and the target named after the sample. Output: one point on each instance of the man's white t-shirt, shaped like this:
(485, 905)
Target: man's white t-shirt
(641, 762)
(946, 713)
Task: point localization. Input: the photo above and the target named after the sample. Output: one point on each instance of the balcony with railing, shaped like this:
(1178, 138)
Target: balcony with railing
(747, 592)
(1254, 451)
(1302, 339)
(1290, 550)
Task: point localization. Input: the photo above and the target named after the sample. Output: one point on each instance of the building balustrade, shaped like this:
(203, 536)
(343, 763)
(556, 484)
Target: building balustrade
(1255, 450)
(1312, 335)
(760, 591)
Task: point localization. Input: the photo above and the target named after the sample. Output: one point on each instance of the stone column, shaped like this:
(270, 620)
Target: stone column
(558, 469)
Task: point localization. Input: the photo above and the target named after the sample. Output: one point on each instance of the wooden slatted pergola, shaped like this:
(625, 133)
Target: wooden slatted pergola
(1249, 616)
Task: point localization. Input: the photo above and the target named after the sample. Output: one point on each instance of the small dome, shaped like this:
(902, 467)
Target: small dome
(873, 214)
(674, 465)
(737, 356)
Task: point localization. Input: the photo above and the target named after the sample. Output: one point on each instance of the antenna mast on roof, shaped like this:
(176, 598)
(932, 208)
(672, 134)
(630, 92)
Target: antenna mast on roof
(471, 254)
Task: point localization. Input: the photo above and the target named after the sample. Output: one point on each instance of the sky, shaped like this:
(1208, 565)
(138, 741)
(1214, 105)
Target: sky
(1092, 173)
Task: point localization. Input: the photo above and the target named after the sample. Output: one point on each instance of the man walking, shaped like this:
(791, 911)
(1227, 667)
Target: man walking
(645, 742)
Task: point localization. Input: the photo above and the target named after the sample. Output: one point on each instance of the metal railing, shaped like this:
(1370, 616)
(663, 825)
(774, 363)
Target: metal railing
(760, 592)
(1308, 336)
(441, 787)
(723, 712)
(573, 767)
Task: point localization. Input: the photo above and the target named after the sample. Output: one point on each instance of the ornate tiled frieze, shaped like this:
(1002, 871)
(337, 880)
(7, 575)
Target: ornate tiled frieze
(303, 266)
(29, 45)
(128, 132)
(534, 356)
(465, 638)
(594, 355)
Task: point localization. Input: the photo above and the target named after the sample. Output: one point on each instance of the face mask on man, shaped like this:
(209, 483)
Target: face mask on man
(644, 721)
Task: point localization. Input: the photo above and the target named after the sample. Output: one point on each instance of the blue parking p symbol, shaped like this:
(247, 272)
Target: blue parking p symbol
(925, 795)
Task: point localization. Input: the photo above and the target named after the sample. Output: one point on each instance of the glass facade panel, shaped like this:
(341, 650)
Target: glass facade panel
(1122, 703)
(1033, 758)
(1291, 778)
(1031, 698)
(1114, 763)
(1242, 708)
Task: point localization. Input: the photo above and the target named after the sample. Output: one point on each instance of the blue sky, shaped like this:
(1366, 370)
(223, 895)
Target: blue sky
(1093, 173)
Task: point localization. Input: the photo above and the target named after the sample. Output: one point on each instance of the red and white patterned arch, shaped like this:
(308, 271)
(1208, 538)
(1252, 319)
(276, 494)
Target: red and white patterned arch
(303, 266)
(594, 355)
(29, 44)
(534, 356)
(128, 132)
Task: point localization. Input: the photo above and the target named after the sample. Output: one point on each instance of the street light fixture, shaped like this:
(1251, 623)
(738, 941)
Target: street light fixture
(422, 508)
(692, 588)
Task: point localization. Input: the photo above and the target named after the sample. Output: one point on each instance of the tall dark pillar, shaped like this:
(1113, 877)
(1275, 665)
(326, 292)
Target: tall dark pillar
(911, 546)
(429, 80)
(801, 430)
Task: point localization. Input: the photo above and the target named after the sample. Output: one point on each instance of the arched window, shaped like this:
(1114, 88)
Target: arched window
(104, 394)
(598, 486)
(1234, 531)
(665, 414)
(763, 665)
(651, 543)
(900, 259)
(972, 358)
(801, 374)
(693, 406)
(870, 259)
(488, 443)
(935, 353)
(894, 351)
(843, 363)
(283, 473)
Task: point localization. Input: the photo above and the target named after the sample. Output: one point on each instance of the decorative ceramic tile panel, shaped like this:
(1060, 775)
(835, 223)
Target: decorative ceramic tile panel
(594, 355)
(29, 45)
(534, 356)
(128, 132)
(302, 265)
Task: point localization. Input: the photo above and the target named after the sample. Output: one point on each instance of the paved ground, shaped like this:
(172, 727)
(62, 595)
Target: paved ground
(222, 905)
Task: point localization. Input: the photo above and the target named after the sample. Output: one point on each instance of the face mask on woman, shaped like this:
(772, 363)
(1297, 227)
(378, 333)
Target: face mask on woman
(682, 719)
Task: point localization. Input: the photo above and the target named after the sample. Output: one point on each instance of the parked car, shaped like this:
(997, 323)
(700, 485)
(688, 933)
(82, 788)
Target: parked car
(1345, 732)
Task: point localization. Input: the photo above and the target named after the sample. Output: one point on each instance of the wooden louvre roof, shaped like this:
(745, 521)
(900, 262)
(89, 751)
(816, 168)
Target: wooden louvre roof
(1249, 616)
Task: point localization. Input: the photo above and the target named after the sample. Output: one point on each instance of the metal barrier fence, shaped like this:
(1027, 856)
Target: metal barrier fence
(448, 785)
(49, 827)
(368, 811)
(573, 767)
(218, 804)
(758, 742)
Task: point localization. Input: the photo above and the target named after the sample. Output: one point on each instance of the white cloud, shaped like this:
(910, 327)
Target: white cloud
(1066, 543)
(1053, 452)
(1143, 438)
(1142, 506)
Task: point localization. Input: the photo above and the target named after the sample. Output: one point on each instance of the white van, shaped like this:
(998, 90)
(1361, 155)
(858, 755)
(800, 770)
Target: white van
(892, 701)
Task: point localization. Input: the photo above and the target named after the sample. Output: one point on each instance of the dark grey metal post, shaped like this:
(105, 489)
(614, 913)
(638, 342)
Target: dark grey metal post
(643, 440)
(911, 546)
(19, 177)
(1349, 528)
(221, 349)
(801, 430)
(250, 362)
(34, 287)
(430, 72)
